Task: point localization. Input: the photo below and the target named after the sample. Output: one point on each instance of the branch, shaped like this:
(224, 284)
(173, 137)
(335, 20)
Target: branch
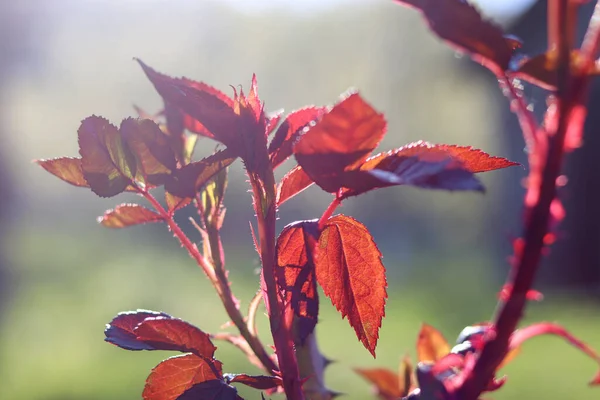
(280, 314)
(523, 272)
(230, 303)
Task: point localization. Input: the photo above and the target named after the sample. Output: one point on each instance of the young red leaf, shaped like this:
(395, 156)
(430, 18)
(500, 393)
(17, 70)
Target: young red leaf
(154, 155)
(186, 181)
(212, 110)
(214, 389)
(273, 119)
(349, 269)
(291, 184)
(107, 163)
(149, 330)
(281, 147)
(261, 382)
(385, 382)
(340, 141)
(126, 215)
(549, 328)
(167, 333)
(175, 202)
(120, 330)
(172, 377)
(424, 165)
(431, 344)
(66, 168)
(295, 274)
(458, 23)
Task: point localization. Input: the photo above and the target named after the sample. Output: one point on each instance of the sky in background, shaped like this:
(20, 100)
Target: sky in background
(498, 9)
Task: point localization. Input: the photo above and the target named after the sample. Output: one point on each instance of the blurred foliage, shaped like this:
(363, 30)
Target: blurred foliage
(71, 276)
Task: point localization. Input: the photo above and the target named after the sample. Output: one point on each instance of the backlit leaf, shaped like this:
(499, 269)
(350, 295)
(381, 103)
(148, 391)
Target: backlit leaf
(167, 333)
(349, 269)
(172, 377)
(66, 168)
(154, 155)
(208, 111)
(340, 141)
(459, 24)
(424, 165)
(176, 202)
(386, 382)
(291, 184)
(287, 134)
(186, 181)
(214, 389)
(120, 330)
(273, 119)
(549, 328)
(126, 215)
(296, 274)
(261, 382)
(431, 344)
(107, 163)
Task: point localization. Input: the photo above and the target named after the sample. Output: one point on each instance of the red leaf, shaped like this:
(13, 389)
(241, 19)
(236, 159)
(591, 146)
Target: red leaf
(431, 344)
(257, 382)
(296, 274)
(458, 23)
(349, 269)
(341, 141)
(176, 202)
(424, 165)
(211, 110)
(211, 390)
(150, 330)
(273, 119)
(172, 377)
(288, 132)
(548, 328)
(154, 155)
(66, 168)
(167, 333)
(186, 181)
(386, 382)
(120, 330)
(127, 215)
(107, 163)
(291, 184)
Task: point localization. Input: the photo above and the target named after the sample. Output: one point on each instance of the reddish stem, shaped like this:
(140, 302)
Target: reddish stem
(523, 273)
(337, 201)
(280, 314)
(216, 273)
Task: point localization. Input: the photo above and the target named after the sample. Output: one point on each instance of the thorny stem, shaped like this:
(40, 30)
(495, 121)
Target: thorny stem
(526, 119)
(280, 314)
(216, 275)
(522, 275)
(231, 305)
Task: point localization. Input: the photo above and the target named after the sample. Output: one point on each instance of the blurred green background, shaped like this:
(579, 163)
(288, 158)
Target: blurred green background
(64, 276)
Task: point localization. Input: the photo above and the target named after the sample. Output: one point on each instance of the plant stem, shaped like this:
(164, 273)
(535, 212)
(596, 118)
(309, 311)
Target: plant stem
(523, 273)
(218, 278)
(329, 212)
(231, 305)
(181, 236)
(280, 314)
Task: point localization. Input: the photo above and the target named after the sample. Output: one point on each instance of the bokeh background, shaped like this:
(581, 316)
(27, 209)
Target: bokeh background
(63, 276)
